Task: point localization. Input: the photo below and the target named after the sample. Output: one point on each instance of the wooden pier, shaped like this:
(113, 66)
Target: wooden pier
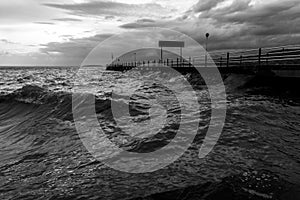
(281, 61)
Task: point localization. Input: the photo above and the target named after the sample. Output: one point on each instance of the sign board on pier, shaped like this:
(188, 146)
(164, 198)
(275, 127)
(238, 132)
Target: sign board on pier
(171, 44)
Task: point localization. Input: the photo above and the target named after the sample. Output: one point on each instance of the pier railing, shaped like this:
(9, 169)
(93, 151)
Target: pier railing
(283, 56)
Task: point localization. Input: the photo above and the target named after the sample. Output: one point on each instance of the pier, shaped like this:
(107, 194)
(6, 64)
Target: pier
(283, 61)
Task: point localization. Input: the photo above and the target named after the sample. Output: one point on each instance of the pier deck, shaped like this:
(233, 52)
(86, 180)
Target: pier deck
(275, 61)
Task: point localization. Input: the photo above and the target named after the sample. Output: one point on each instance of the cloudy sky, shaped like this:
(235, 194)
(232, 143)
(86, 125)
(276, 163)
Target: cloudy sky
(63, 32)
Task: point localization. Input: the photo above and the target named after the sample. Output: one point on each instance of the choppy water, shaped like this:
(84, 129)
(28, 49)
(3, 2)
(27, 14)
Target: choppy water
(42, 156)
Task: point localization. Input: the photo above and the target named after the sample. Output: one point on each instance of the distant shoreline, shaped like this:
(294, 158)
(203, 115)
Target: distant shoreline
(17, 67)
(21, 66)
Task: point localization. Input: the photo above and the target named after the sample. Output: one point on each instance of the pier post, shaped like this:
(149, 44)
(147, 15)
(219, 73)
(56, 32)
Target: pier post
(283, 64)
(181, 56)
(228, 57)
(241, 60)
(259, 56)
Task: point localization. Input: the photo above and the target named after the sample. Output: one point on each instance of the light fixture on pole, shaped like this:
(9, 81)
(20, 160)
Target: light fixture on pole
(206, 41)
(135, 59)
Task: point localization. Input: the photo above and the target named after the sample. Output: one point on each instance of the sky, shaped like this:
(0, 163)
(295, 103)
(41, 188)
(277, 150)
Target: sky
(63, 32)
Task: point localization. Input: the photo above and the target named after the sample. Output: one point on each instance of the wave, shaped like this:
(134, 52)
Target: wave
(38, 133)
(33, 119)
(33, 94)
(31, 99)
(39, 105)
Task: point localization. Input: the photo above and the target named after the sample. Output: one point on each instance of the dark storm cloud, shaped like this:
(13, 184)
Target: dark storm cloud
(142, 23)
(71, 53)
(204, 5)
(267, 15)
(109, 17)
(276, 19)
(4, 53)
(46, 23)
(237, 24)
(112, 8)
(7, 41)
(76, 49)
(68, 19)
(241, 11)
(146, 20)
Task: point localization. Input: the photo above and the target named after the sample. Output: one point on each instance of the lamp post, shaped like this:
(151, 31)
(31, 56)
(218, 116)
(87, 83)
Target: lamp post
(135, 59)
(206, 41)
